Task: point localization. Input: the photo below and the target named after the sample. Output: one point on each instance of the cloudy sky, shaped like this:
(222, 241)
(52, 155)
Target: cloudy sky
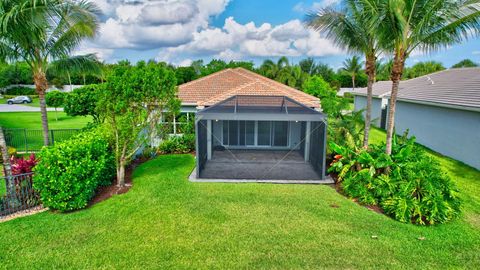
(179, 31)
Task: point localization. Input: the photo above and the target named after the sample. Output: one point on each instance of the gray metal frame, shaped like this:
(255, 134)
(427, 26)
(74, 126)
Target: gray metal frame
(315, 152)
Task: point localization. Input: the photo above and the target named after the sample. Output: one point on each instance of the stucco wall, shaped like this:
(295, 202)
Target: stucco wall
(451, 132)
(360, 103)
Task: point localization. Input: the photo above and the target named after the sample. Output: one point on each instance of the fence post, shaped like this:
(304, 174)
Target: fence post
(51, 136)
(25, 137)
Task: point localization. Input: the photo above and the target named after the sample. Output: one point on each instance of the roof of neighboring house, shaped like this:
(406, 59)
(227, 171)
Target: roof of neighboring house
(453, 87)
(224, 84)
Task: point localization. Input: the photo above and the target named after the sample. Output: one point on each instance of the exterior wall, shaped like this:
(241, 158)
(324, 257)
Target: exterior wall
(451, 132)
(360, 103)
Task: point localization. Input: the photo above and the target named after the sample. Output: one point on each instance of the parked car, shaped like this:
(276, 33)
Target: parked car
(19, 100)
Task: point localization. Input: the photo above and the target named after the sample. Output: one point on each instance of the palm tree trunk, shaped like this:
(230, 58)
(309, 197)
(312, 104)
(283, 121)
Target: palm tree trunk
(371, 70)
(7, 168)
(5, 156)
(353, 82)
(397, 71)
(41, 86)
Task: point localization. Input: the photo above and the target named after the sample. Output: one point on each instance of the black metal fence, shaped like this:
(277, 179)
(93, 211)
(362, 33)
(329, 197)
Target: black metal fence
(17, 194)
(31, 140)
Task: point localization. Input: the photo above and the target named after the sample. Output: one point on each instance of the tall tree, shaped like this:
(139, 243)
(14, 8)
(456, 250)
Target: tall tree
(350, 28)
(132, 101)
(425, 25)
(352, 66)
(465, 63)
(40, 32)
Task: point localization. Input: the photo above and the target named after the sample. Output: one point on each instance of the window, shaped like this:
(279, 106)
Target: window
(242, 133)
(264, 133)
(280, 133)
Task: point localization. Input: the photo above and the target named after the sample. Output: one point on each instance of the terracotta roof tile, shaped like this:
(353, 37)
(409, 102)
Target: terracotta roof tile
(221, 85)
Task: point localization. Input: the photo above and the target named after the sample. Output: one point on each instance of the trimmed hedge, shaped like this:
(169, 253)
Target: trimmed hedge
(20, 91)
(68, 173)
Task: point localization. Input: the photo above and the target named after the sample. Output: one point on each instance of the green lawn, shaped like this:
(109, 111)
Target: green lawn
(32, 120)
(165, 221)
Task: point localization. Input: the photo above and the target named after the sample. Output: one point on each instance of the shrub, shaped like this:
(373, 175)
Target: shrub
(21, 165)
(17, 91)
(69, 172)
(178, 145)
(409, 185)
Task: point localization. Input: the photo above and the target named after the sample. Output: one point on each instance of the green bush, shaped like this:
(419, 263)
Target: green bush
(69, 172)
(178, 145)
(17, 91)
(409, 185)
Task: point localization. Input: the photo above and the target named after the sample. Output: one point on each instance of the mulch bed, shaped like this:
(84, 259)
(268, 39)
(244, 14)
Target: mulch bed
(106, 192)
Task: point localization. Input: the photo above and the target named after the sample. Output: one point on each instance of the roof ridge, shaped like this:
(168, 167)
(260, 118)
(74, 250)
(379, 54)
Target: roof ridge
(261, 79)
(206, 77)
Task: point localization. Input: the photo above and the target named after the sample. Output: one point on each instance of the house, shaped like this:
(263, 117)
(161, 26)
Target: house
(442, 110)
(251, 128)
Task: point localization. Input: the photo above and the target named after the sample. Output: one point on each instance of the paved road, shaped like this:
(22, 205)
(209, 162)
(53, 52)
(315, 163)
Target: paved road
(22, 108)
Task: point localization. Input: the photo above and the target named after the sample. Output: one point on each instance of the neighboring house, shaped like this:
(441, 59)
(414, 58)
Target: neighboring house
(342, 91)
(65, 88)
(251, 128)
(441, 109)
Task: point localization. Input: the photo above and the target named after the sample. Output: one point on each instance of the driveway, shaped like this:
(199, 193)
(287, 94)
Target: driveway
(22, 108)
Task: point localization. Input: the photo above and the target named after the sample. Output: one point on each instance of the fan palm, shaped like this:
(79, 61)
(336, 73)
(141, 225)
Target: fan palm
(424, 25)
(349, 28)
(41, 32)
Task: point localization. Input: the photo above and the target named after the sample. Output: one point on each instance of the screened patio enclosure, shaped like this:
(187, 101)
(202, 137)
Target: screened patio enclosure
(260, 138)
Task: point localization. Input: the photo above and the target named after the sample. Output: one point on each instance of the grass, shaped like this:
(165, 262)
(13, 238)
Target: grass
(32, 120)
(165, 221)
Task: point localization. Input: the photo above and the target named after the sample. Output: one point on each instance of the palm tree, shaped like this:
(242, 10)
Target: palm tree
(40, 32)
(353, 66)
(425, 25)
(349, 28)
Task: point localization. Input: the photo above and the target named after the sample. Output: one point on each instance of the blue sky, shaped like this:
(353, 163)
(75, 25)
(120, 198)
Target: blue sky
(179, 31)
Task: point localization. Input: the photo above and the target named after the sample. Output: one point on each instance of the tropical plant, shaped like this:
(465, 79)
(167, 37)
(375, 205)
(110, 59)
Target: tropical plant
(55, 99)
(425, 25)
(353, 66)
(40, 32)
(282, 71)
(415, 190)
(21, 165)
(83, 102)
(350, 29)
(465, 63)
(132, 102)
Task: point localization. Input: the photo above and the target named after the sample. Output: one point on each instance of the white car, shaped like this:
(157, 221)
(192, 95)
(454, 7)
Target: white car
(19, 100)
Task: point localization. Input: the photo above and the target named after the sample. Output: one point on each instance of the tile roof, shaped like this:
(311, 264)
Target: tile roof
(221, 85)
(457, 87)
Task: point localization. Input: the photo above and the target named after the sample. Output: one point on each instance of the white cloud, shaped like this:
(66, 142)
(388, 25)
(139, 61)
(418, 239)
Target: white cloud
(142, 24)
(476, 52)
(181, 30)
(236, 41)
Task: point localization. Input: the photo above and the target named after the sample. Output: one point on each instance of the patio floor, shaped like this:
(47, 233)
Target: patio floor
(259, 165)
